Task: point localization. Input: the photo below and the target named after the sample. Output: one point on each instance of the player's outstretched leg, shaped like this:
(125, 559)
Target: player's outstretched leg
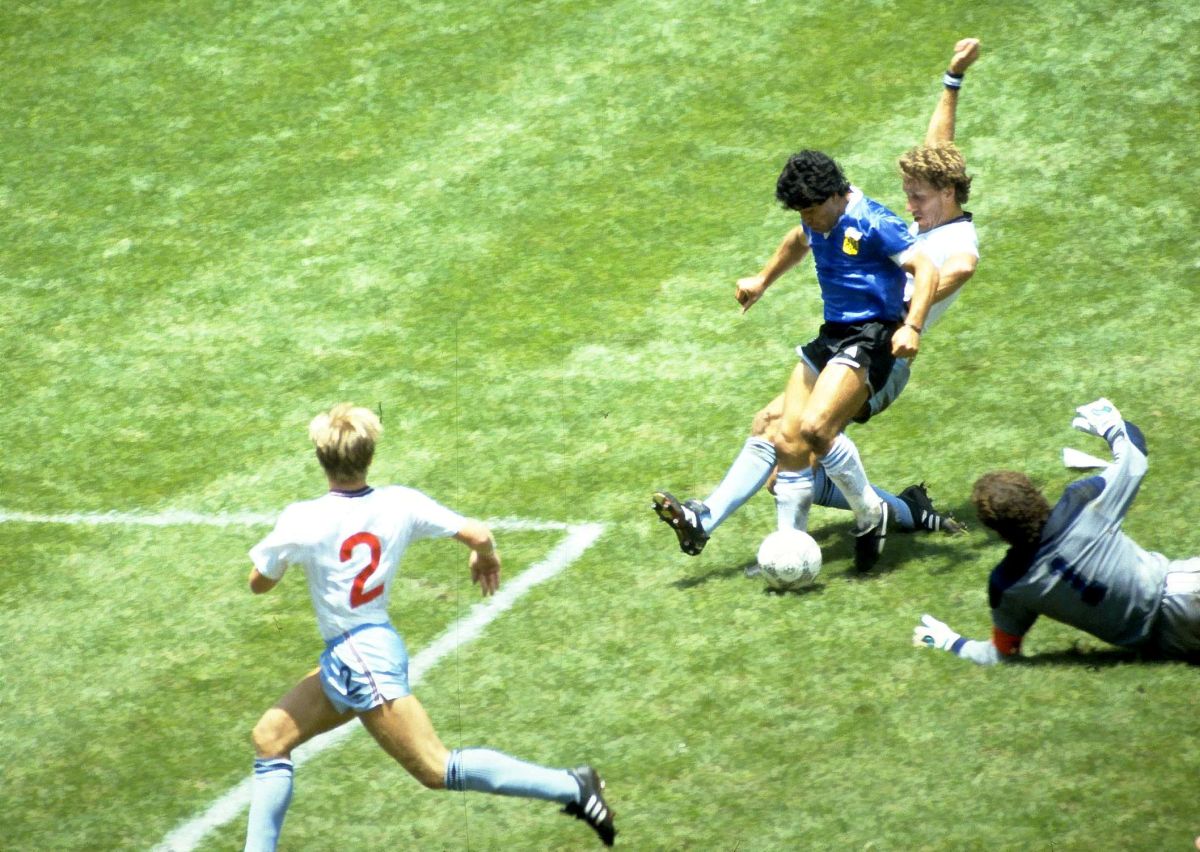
(591, 807)
(925, 516)
(748, 473)
(684, 519)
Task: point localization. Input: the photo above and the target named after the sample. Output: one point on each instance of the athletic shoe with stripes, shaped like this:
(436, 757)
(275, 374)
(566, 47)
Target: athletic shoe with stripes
(925, 517)
(684, 519)
(591, 807)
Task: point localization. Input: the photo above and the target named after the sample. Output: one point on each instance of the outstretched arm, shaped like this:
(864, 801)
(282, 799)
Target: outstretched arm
(931, 633)
(941, 123)
(790, 252)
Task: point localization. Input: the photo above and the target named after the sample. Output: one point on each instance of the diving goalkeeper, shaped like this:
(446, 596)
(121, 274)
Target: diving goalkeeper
(1074, 564)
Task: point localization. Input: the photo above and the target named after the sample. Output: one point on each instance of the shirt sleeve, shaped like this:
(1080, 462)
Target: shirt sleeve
(272, 555)
(890, 235)
(433, 520)
(1011, 617)
(1123, 477)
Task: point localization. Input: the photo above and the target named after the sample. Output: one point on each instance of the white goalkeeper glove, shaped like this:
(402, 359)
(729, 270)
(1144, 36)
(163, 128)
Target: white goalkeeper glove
(934, 634)
(1096, 418)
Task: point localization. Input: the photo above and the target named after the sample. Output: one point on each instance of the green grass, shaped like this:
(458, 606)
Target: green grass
(517, 227)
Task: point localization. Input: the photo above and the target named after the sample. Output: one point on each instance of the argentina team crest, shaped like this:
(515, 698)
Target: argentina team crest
(850, 241)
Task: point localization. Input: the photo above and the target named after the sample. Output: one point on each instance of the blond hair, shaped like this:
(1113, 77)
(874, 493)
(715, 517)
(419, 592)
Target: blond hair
(940, 165)
(345, 438)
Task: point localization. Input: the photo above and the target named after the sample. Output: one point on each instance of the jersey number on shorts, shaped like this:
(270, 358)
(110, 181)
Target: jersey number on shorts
(357, 596)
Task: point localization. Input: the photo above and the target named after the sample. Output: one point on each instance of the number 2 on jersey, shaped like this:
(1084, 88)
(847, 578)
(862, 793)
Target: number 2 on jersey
(357, 596)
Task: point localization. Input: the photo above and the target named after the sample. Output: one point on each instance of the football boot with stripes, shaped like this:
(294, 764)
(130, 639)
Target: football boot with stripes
(684, 519)
(591, 807)
(925, 517)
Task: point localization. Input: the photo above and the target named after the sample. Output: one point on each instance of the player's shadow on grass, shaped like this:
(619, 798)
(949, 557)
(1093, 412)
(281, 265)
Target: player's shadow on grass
(1093, 659)
(741, 570)
(936, 553)
(719, 573)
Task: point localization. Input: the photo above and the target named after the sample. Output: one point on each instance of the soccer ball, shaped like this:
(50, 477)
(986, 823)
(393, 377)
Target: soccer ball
(789, 559)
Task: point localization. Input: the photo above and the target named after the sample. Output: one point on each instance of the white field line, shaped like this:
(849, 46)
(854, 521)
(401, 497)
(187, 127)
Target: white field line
(188, 835)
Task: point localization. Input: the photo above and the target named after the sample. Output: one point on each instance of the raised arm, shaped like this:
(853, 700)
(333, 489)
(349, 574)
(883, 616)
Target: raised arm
(1123, 477)
(941, 123)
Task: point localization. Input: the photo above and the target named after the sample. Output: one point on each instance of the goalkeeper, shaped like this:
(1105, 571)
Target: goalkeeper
(1074, 564)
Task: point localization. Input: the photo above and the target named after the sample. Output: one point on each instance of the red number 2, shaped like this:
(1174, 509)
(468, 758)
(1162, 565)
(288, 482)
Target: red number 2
(357, 596)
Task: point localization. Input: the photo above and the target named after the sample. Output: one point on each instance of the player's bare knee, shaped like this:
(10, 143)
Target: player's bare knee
(430, 773)
(764, 423)
(789, 444)
(818, 435)
(269, 737)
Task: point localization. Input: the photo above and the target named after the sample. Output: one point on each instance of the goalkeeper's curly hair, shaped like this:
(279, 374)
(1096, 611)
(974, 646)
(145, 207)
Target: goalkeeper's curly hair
(808, 179)
(1009, 502)
(941, 165)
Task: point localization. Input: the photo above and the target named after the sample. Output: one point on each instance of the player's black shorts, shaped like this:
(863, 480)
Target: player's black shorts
(866, 344)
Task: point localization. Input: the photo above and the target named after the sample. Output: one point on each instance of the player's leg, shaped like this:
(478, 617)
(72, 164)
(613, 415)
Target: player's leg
(912, 509)
(301, 714)
(794, 479)
(826, 493)
(749, 471)
(881, 399)
(403, 728)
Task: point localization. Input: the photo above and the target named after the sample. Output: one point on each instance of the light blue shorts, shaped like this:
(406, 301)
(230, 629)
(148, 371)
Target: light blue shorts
(364, 668)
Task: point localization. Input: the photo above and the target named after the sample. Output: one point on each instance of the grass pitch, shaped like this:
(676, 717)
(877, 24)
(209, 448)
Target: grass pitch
(516, 229)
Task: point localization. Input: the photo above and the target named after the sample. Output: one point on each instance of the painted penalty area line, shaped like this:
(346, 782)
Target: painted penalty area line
(229, 806)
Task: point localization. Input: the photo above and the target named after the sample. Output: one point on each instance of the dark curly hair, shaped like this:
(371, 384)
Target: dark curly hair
(1009, 502)
(808, 179)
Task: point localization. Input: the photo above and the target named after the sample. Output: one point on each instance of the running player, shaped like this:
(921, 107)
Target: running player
(1074, 564)
(349, 543)
(936, 186)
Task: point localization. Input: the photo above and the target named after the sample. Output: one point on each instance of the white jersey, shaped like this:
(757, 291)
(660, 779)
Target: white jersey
(940, 244)
(349, 545)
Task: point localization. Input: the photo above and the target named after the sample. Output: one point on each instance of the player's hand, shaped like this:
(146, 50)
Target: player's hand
(905, 342)
(1096, 418)
(750, 290)
(932, 633)
(966, 51)
(485, 570)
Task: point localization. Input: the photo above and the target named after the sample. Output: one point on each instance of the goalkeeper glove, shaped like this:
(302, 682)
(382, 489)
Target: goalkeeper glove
(1096, 418)
(934, 634)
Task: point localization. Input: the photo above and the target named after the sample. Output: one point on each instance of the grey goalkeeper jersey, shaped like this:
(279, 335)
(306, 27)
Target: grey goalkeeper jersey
(1085, 571)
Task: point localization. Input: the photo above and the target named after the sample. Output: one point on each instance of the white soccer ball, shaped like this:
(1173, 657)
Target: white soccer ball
(789, 559)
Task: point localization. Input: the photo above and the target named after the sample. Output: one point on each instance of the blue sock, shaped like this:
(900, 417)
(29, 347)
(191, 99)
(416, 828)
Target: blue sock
(825, 493)
(749, 471)
(487, 771)
(269, 799)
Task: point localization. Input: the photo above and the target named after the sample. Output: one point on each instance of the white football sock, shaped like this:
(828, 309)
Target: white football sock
(845, 468)
(793, 498)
